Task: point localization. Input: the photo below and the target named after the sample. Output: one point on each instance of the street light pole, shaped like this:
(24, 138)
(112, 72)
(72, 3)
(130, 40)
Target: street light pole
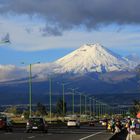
(73, 101)
(50, 88)
(80, 104)
(5, 42)
(85, 104)
(63, 97)
(90, 107)
(93, 106)
(63, 88)
(30, 90)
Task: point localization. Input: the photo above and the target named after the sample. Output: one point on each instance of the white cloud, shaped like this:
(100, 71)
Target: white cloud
(25, 35)
(11, 72)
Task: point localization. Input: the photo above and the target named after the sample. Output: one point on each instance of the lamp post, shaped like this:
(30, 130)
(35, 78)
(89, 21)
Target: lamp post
(80, 104)
(5, 42)
(90, 107)
(63, 89)
(50, 89)
(63, 98)
(73, 100)
(30, 88)
(94, 106)
(85, 104)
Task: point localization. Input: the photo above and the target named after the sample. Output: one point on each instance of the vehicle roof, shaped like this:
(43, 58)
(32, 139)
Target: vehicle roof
(36, 118)
(72, 120)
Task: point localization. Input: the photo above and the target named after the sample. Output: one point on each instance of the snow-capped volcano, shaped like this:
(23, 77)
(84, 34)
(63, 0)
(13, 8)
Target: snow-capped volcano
(88, 58)
(92, 58)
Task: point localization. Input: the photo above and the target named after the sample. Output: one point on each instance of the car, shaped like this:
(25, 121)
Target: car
(91, 123)
(36, 124)
(103, 123)
(5, 123)
(123, 122)
(73, 123)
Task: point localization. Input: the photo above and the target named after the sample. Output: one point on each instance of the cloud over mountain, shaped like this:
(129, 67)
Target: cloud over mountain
(67, 14)
(11, 72)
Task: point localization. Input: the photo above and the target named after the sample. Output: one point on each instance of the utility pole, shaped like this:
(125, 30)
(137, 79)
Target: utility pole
(63, 98)
(30, 90)
(80, 105)
(50, 88)
(85, 104)
(90, 107)
(73, 102)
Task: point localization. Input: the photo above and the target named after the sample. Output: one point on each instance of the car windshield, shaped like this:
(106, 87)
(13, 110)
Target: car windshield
(3, 118)
(37, 120)
(72, 120)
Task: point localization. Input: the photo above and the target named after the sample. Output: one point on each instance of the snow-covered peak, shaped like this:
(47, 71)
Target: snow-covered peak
(92, 58)
(88, 58)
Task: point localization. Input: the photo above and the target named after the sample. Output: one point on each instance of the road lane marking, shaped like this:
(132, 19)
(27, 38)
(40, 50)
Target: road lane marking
(91, 135)
(8, 133)
(31, 137)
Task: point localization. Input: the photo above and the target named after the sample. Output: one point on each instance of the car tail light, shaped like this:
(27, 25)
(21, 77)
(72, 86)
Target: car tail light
(46, 125)
(29, 123)
(2, 123)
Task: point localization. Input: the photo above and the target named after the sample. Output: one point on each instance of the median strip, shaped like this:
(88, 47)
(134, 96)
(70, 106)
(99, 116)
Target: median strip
(91, 135)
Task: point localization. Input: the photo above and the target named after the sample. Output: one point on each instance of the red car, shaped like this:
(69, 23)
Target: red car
(5, 124)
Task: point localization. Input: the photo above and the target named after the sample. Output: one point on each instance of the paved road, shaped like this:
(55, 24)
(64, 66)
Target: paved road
(61, 133)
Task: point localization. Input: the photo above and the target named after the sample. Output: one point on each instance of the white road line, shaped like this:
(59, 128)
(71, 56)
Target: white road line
(8, 133)
(31, 137)
(91, 135)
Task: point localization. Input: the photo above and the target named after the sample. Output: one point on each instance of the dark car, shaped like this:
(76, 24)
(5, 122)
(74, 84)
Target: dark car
(36, 123)
(91, 123)
(5, 124)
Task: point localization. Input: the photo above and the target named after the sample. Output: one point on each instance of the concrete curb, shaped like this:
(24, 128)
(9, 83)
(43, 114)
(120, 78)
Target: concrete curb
(135, 137)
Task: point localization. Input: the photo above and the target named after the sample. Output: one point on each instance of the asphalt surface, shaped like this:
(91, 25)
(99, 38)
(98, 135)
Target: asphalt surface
(59, 133)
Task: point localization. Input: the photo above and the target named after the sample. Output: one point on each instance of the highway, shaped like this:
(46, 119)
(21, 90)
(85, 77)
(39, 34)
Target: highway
(61, 133)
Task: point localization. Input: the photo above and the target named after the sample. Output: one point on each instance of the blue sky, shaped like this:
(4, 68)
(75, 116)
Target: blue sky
(47, 30)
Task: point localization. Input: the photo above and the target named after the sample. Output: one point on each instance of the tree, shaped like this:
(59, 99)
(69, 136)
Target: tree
(136, 108)
(41, 110)
(13, 109)
(26, 114)
(59, 107)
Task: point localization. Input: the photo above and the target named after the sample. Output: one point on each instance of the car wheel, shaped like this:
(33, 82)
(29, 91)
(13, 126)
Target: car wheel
(78, 127)
(45, 131)
(11, 130)
(27, 131)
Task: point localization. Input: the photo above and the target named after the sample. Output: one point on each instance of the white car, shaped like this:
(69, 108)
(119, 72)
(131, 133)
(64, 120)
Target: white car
(73, 123)
(103, 123)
